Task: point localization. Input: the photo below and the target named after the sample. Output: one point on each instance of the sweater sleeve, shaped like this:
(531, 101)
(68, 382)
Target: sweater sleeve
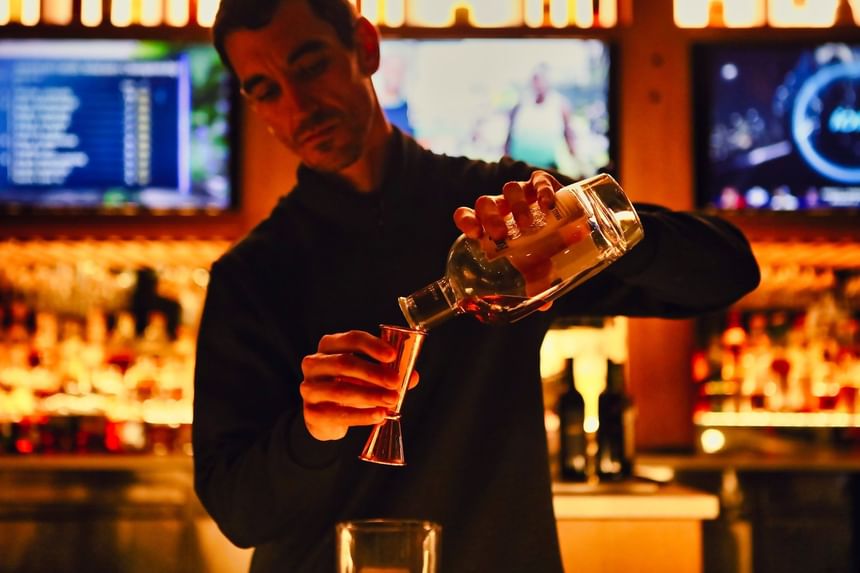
(256, 467)
(687, 264)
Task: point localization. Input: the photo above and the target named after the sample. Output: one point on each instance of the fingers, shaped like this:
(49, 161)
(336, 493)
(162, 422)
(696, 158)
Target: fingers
(516, 200)
(357, 341)
(346, 392)
(491, 211)
(544, 186)
(349, 382)
(519, 196)
(329, 421)
(468, 223)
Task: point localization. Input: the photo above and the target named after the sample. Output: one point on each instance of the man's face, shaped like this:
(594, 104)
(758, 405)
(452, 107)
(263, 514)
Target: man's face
(314, 94)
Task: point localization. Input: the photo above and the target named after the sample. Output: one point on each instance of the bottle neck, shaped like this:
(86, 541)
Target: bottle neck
(569, 379)
(615, 378)
(430, 306)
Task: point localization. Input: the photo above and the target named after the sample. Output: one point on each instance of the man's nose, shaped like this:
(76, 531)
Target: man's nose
(296, 99)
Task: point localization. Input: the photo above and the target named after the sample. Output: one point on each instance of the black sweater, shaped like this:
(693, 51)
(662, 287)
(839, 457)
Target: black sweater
(330, 260)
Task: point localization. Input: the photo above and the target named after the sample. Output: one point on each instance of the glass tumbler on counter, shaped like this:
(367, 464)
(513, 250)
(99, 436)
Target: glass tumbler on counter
(388, 546)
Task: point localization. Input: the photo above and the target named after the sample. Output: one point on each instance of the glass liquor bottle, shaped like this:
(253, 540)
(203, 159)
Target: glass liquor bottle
(615, 433)
(571, 414)
(591, 225)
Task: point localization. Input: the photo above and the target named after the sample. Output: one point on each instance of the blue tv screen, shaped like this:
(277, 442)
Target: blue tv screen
(778, 126)
(543, 100)
(114, 125)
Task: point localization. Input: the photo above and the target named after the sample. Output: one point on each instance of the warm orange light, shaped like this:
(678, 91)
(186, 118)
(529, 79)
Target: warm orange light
(394, 13)
(855, 10)
(91, 12)
(803, 13)
(5, 12)
(370, 10)
(756, 13)
(584, 13)
(151, 12)
(206, 11)
(120, 13)
(492, 13)
(743, 14)
(692, 13)
(735, 13)
(533, 13)
(57, 12)
(177, 13)
(608, 15)
(558, 13)
(436, 14)
(30, 12)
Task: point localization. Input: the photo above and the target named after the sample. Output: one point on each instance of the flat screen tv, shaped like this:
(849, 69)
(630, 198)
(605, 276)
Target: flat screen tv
(544, 100)
(778, 126)
(115, 126)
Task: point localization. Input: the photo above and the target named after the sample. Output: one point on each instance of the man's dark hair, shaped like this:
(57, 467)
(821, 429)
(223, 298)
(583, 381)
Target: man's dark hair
(254, 14)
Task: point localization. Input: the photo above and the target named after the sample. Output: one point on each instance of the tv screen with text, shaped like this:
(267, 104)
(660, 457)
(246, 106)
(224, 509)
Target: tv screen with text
(114, 125)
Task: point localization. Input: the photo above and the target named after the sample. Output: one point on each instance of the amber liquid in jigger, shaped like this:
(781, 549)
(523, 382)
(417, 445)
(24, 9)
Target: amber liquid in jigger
(385, 444)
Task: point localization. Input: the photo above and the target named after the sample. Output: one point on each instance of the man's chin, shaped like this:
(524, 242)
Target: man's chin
(325, 156)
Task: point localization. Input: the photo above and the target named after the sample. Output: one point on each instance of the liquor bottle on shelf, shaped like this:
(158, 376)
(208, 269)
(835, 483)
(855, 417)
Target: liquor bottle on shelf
(591, 225)
(615, 444)
(571, 413)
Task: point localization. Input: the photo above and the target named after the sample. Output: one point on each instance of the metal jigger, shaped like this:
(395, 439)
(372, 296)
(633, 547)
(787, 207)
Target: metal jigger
(385, 444)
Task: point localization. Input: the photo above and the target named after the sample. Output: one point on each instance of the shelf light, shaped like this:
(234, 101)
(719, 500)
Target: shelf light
(533, 13)
(206, 12)
(120, 13)
(91, 12)
(5, 12)
(151, 13)
(177, 13)
(57, 12)
(30, 12)
(607, 15)
(777, 419)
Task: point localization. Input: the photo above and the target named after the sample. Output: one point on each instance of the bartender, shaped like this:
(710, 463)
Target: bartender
(290, 373)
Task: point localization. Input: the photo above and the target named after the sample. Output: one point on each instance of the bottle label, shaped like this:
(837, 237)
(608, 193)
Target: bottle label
(557, 247)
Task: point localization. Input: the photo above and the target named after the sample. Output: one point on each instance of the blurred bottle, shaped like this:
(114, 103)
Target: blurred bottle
(571, 413)
(615, 443)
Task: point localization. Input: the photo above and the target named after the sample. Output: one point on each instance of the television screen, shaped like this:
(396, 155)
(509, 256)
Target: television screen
(545, 101)
(778, 126)
(114, 125)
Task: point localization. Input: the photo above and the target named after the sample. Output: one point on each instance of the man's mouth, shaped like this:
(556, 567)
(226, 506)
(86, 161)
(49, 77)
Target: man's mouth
(318, 130)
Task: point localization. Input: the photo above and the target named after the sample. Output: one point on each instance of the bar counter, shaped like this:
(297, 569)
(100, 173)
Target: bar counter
(609, 527)
(136, 513)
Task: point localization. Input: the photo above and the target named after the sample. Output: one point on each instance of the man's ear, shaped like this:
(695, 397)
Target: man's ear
(367, 46)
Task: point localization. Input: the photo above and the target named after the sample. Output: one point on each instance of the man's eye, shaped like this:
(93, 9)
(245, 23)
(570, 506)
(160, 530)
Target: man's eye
(312, 69)
(265, 93)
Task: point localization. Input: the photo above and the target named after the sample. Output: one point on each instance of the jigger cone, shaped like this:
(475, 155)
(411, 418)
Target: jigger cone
(385, 444)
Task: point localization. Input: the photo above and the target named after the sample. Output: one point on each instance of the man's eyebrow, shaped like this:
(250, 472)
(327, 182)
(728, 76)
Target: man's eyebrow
(308, 47)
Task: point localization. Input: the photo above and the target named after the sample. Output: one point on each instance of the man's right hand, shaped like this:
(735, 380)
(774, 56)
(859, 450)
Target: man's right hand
(348, 382)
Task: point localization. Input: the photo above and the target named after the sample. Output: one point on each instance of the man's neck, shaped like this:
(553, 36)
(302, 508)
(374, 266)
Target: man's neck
(366, 174)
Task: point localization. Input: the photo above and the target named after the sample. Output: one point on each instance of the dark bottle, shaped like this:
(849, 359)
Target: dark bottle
(615, 433)
(571, 413)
